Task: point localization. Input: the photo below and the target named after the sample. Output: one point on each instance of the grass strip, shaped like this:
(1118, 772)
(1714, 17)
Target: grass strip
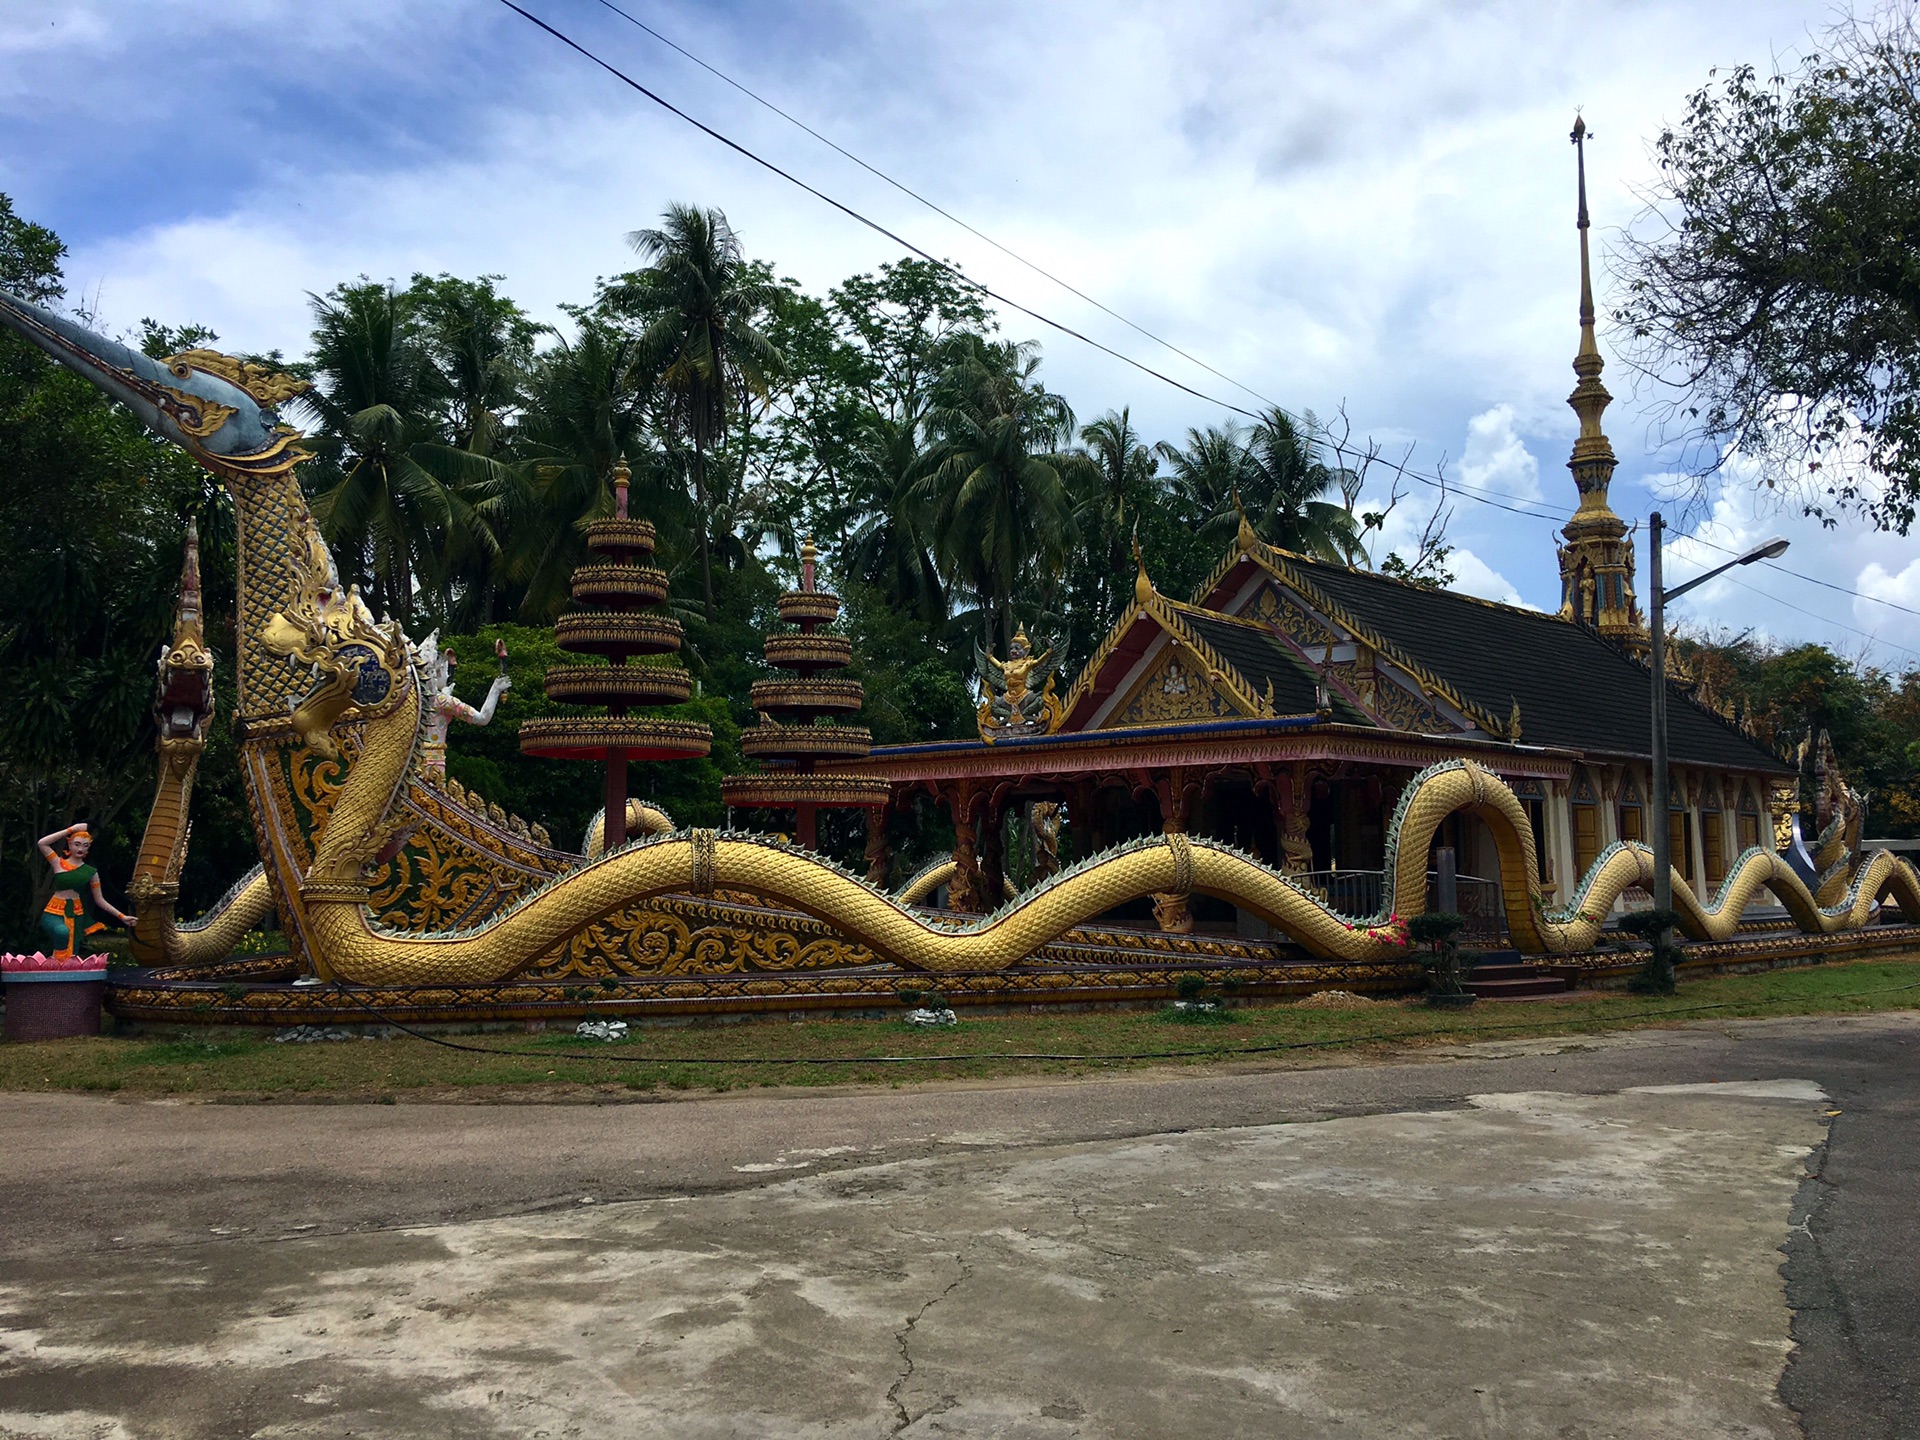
(835, 1051)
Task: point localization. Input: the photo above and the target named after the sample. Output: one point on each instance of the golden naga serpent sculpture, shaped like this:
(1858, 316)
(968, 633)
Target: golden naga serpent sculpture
(224, 412)
(350, 946)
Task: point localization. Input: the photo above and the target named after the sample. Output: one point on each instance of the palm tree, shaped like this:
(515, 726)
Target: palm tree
(1207, 473)
(697, 302)
(1273, 472)
(586, 409)
(1287, 478)
(1112, 476)
(995, 503)
(890, 549)
(403, 495)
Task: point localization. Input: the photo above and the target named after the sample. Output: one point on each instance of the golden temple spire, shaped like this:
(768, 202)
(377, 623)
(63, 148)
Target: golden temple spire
(1596, 563)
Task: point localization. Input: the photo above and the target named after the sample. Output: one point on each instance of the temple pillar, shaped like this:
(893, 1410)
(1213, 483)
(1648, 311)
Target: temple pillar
(879, 854)
(964, 890)
(1170, 911)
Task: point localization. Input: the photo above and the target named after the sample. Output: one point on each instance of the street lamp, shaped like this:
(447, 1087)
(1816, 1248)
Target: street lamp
(1662, 833)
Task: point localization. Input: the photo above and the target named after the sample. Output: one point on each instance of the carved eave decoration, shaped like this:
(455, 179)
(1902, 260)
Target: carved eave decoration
(1088, 693)
(1279, 566)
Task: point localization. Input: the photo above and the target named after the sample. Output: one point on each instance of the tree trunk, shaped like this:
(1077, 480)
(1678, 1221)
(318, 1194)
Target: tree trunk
(705, 522)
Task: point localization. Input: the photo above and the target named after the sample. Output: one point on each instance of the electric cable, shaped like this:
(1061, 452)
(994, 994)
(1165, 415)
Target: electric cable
(947, 266)
(1339, 447)
(1810, 579)
(936, 208)
(1815, 615)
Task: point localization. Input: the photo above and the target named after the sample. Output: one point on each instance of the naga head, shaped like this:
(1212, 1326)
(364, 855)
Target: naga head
(222, 411)
(356, 664)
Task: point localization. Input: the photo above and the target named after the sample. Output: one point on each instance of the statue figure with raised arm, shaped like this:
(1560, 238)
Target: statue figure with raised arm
(436, 665)
(76, 907)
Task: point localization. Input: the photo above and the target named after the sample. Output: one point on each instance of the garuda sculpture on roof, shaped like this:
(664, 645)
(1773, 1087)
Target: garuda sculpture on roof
(1017, 696)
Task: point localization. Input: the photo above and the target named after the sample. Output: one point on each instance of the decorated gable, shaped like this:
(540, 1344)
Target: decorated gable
(1173, 689)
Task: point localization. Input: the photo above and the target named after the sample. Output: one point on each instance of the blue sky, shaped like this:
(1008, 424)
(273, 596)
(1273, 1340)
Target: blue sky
(1369, 205)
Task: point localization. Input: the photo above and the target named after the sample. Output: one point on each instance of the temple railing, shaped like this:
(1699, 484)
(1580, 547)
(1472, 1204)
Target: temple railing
(1357, 894)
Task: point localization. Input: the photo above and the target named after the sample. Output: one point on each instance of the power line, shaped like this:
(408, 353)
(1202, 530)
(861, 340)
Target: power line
(1814, 615)
(1339, 447)
(1813, 580)
(947, 267)
(874, 225)
(937, 209)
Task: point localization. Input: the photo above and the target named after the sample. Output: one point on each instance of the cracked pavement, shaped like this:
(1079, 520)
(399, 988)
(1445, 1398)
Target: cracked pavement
(1579, 1238)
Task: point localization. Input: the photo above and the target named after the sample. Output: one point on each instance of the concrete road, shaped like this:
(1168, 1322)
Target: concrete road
(1515, 1239)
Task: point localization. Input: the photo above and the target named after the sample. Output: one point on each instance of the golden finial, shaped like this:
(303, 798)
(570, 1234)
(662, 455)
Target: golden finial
(622, 478)
(1246, 539)
(1142, 586)
(807, 556)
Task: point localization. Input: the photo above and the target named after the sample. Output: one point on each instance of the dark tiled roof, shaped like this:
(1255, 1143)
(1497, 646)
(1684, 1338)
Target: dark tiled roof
(1261, 658)
(1575, 689)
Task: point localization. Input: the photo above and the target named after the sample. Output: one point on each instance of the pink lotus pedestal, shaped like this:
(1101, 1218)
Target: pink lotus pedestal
(50, 999)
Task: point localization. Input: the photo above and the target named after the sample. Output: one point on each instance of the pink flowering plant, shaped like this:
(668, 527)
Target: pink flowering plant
(1439, 930)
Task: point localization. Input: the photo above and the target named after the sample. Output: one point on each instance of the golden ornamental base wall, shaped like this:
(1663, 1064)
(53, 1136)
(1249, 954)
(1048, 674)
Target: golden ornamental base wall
(1103, 967)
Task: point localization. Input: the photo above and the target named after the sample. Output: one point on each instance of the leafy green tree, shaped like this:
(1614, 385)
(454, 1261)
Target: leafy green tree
(1001, 514)
(30, 257)
(480, 344)
(1114, 476)
(1773, 286)
(907, 325)
(91, 521)
(399, 494)
(699, 305)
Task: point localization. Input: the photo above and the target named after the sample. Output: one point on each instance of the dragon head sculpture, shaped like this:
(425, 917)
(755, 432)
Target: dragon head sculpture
(221, 410)
(357, 665)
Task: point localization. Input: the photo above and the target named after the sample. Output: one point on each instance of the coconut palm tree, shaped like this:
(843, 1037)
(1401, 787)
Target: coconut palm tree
(1112, 475)
(697, 303)
(890, 548)
(1288, 480)
(587, 408)
(994, 501)
(1274, 472)
(402, 495)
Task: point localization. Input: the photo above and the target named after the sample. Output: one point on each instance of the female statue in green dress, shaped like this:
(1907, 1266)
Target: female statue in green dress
(77, 904)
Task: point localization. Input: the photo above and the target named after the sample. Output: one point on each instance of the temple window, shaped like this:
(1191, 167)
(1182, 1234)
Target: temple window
(1679, 833)
(1586, 823)
(1713, 844)
(1631, 827)
(1749, 819)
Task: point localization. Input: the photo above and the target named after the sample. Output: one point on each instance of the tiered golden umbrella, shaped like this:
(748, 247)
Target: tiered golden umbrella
(620, 595)
(790, 738)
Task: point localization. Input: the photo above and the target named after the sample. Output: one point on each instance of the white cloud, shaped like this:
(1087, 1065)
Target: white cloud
(1474, 576)
(1208, 171)
(1400, 535)
(1497, 459)
(1902, 588)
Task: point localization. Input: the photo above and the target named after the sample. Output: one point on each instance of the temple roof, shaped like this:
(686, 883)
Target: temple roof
(1572, 688)
(1166, 662)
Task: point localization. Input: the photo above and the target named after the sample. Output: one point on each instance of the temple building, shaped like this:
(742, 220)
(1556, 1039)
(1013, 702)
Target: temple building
(1286, 705)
